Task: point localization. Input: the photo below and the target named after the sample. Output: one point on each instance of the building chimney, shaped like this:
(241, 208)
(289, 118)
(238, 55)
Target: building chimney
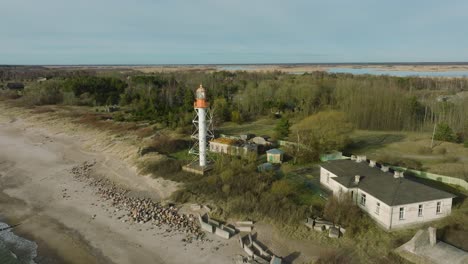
(357, 178)
(372, 163)
(384, 168)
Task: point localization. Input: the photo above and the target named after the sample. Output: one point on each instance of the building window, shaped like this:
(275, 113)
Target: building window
(328, 177)
(420, 209)
(377, 208)
(402, 213)
(363, 199)
(439, 204)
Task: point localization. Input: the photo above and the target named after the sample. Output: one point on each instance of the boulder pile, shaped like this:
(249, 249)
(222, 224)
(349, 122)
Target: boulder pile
(140, 210)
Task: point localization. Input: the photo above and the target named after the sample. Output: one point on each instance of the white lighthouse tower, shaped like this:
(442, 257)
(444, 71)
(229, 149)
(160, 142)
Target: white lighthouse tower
(202, 132)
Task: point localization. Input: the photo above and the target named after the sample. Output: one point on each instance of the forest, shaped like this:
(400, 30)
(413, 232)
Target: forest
(369, 102)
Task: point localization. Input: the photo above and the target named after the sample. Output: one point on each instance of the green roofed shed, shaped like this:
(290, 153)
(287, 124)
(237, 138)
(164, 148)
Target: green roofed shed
(275, 155)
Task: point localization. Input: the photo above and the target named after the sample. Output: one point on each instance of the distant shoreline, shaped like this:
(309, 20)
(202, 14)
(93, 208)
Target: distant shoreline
(334, 64)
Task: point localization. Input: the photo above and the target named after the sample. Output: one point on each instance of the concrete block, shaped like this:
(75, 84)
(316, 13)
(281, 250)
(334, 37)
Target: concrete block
(258, 259)
(319, 228)
(333, 232)
(260, 249)
(323, 222)
(207, 208)
(342, 230)
(244, 223)
(241, 242)
(276, 260)
(249, 251)
(213, 222)
(309, 222)
(205, 226)
(231, 230)
(195, 207)
(222, 233)
(244, 228)
(432, 236)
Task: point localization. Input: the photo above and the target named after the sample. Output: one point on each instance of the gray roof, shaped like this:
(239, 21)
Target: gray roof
(382, 185)
(275, 151)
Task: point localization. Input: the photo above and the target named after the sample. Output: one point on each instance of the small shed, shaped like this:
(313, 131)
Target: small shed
(275, 155)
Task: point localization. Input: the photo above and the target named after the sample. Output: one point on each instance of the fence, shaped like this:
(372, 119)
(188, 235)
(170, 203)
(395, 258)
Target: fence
(436, 177)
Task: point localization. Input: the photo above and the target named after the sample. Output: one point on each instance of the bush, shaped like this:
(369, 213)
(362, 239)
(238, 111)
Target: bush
(165, 145)
(440, 151)
(444, 133)
(9, 94)
(402, 162)
(424, 150)
(44, 93)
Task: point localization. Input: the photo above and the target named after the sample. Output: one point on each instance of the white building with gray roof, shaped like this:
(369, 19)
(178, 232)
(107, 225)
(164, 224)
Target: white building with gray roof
(392, 200)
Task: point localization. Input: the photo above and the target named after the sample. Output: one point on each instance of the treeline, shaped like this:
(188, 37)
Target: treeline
(370, 102)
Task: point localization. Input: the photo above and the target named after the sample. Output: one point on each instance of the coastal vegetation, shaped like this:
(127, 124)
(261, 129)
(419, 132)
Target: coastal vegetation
(390, 119)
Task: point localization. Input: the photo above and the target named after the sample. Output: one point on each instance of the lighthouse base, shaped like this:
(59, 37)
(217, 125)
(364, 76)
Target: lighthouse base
(195, 168)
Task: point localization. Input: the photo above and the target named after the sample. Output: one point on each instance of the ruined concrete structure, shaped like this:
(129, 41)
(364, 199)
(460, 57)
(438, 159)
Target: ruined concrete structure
(424, 248)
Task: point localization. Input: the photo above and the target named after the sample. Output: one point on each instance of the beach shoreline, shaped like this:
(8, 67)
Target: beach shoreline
(68, 220)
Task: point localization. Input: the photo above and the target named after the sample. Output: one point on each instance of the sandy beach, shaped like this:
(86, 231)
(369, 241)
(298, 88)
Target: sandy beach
(55, 210)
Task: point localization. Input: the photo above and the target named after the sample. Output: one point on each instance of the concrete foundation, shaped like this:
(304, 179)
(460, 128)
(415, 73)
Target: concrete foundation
(195, 168)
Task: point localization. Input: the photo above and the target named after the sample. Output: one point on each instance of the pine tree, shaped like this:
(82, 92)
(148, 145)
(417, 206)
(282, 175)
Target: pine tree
(282, 128)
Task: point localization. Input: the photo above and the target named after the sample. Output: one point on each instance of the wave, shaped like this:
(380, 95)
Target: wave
(24, 250)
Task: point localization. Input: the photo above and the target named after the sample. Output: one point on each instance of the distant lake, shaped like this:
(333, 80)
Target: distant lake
(358, 71)
(374, 71)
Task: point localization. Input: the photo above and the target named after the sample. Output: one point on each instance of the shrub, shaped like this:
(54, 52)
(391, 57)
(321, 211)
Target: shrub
(44, 93)
(8, 94)
(402, 162)
(444, 133)
(424, 150)
(165, 145)
(440, 151)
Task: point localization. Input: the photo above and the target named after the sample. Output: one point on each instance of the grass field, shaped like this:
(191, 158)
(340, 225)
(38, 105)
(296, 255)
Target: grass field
(413, 147)
(264, 126)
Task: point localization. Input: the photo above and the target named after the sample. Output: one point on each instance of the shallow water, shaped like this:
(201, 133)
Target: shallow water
(374, 71)
(22, 248)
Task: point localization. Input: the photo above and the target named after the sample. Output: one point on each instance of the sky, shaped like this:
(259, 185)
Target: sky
(232, 31)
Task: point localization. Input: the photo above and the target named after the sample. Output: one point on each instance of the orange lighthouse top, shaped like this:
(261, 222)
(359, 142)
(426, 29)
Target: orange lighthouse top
(200, 98)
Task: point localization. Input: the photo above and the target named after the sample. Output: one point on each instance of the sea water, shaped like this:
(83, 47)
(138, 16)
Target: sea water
(24, 250)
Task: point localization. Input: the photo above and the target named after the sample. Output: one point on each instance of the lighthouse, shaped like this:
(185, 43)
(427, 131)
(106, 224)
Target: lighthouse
(201, 135)
(201, 106)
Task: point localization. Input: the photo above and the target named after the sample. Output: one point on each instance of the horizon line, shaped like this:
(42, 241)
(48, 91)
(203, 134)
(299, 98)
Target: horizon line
(253, 64)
